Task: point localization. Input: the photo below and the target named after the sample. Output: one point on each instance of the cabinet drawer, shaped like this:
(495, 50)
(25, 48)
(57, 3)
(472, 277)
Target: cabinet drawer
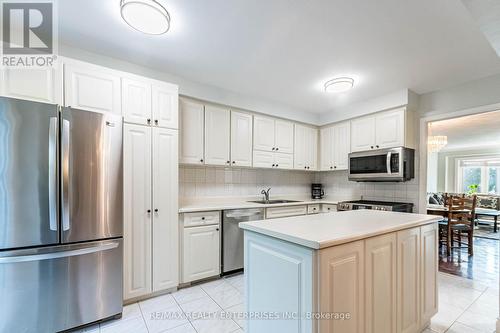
(201, 218)
(313, 209)
(275, 212)
(328, 208)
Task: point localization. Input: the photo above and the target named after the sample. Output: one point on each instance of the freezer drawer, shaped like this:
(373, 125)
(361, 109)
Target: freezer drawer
(57, 288)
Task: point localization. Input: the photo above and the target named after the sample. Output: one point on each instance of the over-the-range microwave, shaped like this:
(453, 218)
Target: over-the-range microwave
(382, 165)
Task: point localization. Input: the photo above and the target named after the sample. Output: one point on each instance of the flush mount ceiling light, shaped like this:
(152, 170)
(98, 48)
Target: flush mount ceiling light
(146, 16)
(339, 84)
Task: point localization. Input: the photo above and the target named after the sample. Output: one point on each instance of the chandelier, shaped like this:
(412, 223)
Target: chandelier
(436, 142)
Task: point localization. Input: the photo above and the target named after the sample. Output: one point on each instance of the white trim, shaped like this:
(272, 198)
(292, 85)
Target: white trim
(434, 116)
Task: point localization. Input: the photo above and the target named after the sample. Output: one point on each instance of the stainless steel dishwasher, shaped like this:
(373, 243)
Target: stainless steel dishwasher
(232, 237)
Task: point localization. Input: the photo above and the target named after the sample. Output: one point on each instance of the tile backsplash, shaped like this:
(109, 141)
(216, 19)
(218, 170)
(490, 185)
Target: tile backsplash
(209, 181)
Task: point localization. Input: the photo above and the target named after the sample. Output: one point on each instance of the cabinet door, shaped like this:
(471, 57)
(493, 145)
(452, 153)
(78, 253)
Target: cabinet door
(363, 134)
(283, 161)
(201, 253)
(217, 135)
(263, 159)
(263, 133)
(408, 280)
(429, 275)
(312, 151)
(165, 209)
(191, 132)
(136, 101)
(326, 148)
(284, 211)
(380, 287)
(136, 203)
(92, 88)
(390, 128)
(241, 139)
(341, 146)
(301, 147)
(283, 136)
(165, 105)
(342, 287)
(37, 84)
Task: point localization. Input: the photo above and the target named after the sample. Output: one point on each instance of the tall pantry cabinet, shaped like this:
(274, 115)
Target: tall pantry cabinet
(150, 167)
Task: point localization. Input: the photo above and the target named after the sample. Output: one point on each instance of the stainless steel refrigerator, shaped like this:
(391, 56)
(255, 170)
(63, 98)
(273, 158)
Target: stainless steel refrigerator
(60, 217)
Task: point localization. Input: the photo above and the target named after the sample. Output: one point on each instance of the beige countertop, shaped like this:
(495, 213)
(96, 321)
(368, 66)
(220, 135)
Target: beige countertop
(325, 230)
(223, 203)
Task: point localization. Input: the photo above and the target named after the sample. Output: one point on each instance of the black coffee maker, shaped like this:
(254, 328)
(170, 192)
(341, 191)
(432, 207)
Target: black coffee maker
(317, 191)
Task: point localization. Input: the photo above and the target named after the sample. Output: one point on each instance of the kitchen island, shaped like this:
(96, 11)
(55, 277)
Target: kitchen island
(345, 272)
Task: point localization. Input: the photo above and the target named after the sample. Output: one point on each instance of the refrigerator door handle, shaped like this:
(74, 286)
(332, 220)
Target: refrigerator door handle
(65, 145)
(53, 173)
(60, 254)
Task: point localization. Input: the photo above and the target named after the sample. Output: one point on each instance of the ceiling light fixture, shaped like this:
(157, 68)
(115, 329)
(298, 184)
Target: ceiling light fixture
(146, 16)
(339, 84)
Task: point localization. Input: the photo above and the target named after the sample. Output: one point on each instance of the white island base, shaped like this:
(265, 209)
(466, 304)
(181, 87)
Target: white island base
(345, 272)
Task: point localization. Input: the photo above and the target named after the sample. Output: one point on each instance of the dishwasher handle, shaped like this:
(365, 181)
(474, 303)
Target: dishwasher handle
(243, 214)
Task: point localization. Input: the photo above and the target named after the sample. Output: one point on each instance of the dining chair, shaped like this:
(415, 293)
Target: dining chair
(461, 213)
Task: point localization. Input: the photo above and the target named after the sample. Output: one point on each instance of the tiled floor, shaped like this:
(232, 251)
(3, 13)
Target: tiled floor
(465, 306)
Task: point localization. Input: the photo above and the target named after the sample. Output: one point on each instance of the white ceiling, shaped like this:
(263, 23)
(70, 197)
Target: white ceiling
(283, 51)
(476, 131)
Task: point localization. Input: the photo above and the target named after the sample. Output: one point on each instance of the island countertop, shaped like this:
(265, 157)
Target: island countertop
(325, 230)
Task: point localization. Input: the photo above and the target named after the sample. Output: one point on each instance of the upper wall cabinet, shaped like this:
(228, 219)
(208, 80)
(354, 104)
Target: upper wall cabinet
(306, 148)
(217, 135)
(241, 139)
(335, 146)
(39, 85)
(149, 102)
(90, 87)
(192, 119)
(273, 135)
(383, 130)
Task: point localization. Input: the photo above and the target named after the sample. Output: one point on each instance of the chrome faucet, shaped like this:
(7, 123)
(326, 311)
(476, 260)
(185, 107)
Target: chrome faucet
(266, 194)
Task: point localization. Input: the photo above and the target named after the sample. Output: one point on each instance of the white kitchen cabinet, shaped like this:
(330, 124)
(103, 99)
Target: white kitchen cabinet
(429, 277)
(165, 209)
(389, 128)
(136, 101)
(241, 139)
(306, 145)
(165, 104)
(201, 218)
(313, 209)
(283, 136)
(35, 84)
(285, 211)
(201, 253)
(363, 133)
(328, 208)
(342, 286)
(380, 284)
(90, 87)
(192, 118)
(137, 211)
(217, 135)
(264, 159)
(272, 134)
(341, 145)
(326, 147)
(263, 138)
(383, 130)
(150, 181)
(408, 280)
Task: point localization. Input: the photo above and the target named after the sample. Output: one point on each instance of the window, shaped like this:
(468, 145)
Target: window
(484, 173)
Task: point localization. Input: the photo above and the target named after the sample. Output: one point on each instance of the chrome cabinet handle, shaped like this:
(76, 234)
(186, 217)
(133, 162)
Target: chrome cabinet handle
(53, 174)
(65, 146)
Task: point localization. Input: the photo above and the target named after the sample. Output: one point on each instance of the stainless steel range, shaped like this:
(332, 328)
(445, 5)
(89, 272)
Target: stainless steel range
(376, 205)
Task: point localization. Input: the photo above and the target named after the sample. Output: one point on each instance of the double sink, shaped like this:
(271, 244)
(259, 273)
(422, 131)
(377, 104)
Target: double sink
(268, 202)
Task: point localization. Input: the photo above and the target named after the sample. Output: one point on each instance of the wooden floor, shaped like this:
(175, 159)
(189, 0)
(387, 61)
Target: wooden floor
(482, 266)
